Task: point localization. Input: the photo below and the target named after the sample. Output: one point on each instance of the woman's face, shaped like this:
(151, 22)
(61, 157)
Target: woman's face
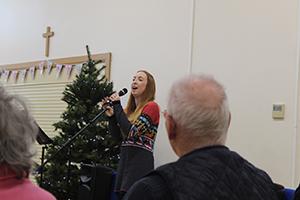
(139, 84)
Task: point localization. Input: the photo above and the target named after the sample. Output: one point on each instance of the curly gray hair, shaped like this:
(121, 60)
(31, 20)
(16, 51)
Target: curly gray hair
(18, 131)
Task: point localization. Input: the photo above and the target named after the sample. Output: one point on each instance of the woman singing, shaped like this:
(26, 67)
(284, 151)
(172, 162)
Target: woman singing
(136, 126)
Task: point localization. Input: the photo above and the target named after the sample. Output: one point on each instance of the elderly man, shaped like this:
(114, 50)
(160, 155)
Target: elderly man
(197, 120)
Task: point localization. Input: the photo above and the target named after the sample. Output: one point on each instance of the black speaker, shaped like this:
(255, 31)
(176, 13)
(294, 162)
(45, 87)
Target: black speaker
(95, 182)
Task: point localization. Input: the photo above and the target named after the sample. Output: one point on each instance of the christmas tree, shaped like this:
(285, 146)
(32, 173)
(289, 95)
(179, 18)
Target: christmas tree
(93, 145)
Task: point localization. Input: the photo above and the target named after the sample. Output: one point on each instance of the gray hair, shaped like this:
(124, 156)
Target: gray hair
(199, 104)
(17, 133)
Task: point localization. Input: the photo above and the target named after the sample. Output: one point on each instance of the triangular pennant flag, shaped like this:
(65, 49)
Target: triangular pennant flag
(58, 70)
(41, 68)
(69, 70)
(49, 67)
(14, 75)
(6, 75)
(22, 74)
(32, 72)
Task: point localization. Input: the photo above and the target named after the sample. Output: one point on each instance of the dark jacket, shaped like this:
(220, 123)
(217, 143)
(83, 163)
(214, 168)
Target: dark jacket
(213, 173)
(136, 156)
(297, 193)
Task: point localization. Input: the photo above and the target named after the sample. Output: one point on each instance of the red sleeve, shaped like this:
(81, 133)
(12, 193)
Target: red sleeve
(151, 109)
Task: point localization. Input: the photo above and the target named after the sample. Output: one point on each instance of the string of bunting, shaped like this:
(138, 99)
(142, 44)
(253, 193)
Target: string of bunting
(42, 68)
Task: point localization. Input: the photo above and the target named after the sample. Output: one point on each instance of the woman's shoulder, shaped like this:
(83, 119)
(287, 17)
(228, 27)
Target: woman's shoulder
(151, 105)
(151, 109)
(32, 191)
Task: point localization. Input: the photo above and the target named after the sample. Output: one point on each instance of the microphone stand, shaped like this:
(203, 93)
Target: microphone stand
(70, 141)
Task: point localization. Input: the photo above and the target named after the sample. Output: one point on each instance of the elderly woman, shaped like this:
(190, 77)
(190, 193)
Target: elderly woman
(17, 135)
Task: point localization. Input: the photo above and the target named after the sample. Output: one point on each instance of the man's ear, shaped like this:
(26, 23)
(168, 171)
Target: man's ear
(171, 127)
(229, 121)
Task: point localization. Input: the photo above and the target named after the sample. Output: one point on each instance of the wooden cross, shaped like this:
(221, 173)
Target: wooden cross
(47, 35)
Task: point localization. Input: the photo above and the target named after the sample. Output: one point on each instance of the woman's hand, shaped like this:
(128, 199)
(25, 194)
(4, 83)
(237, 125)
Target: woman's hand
(105, 103)
(114, 97)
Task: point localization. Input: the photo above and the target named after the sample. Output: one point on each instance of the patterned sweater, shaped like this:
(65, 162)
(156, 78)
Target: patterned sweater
(142, 132)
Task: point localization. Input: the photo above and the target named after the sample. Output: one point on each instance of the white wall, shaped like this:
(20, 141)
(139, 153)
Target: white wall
(250, 46)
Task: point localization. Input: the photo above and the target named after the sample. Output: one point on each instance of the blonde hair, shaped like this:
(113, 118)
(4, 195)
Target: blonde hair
(132, 110)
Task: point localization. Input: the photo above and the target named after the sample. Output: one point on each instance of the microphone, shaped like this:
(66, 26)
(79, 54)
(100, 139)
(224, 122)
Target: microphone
(122, 92)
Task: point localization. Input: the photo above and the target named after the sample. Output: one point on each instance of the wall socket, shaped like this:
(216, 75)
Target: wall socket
(278, 111)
